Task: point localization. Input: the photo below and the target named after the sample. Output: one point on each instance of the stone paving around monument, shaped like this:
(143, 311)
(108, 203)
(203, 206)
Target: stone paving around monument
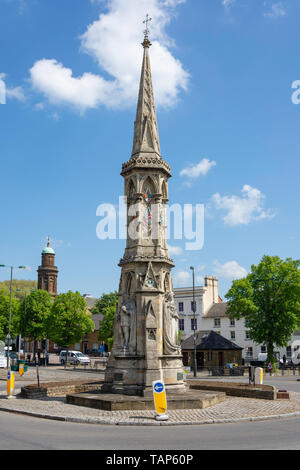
(231, 410)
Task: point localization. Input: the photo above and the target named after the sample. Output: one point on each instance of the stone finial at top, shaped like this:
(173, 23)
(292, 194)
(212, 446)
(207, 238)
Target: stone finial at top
(146, 42)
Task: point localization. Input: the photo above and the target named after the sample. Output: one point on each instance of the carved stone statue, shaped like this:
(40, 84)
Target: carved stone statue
(125, 326)
(128, 323)
(171, 346)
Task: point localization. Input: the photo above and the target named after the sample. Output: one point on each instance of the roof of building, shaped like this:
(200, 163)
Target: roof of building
(48, 250)
(91, 301)
(217, 310)
(209, 340)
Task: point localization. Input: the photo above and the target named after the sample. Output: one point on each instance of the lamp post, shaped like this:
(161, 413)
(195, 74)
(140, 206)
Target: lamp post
(8, 337)
(194, 311)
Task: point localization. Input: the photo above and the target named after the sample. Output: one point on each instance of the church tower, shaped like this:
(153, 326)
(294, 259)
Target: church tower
(146, 346)
(47, 272)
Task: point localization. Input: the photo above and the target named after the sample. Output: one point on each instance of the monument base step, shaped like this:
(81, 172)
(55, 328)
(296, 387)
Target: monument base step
(115, 402)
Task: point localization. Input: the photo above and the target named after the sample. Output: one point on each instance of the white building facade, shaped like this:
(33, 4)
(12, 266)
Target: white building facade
(210, 314)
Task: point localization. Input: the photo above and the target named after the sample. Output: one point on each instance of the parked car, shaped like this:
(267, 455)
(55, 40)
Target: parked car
(74, 357)
(93, 352)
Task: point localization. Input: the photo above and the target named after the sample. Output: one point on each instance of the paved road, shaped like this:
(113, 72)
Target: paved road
(25, 433)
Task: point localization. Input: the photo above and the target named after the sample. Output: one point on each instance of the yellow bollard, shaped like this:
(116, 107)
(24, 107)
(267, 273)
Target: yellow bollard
(10, 383)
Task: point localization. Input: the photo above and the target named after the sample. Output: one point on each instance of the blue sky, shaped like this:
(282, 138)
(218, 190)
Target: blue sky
(223, 74)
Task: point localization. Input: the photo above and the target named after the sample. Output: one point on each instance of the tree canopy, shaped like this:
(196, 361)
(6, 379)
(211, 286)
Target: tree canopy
(38, 307)
(106, 300)
(4, 315)
(107, 306)
(69, 319)
(18, 284)
(269, 299)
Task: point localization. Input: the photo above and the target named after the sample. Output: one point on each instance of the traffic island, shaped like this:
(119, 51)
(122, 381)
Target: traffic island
(265, 392)
(115, 402)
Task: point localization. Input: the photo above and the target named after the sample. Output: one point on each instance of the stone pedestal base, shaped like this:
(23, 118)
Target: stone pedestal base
(114, 402)
(133, 375)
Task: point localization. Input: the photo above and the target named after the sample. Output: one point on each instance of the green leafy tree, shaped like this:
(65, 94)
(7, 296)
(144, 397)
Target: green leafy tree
(106, 300)
(69, 319)
(38, 307)
(17, 284)
(4, 316)
(269, 299)
(106, 325)
(107, 306)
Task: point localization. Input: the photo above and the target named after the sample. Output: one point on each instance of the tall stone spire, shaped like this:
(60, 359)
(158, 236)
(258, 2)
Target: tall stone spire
(146, 139)
(146, 346)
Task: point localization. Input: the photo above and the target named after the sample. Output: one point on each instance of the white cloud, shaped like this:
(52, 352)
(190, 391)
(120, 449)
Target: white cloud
(277, 10)
(174, 250)
(60, 87)
(16, 93)
(230, 270)
(182, 278)
(228, 3)
(242, 210)
(114, 42)
(201, 168)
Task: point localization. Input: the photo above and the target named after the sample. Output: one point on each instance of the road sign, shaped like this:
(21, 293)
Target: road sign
(160, 399)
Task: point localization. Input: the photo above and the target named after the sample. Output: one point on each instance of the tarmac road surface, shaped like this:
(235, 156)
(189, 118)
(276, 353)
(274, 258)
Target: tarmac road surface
(26, 433)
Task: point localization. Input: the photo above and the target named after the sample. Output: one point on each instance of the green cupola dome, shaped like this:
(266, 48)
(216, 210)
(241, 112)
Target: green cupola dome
(48, 250)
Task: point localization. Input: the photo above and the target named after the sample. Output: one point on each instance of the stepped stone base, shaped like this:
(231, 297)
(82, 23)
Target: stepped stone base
(115, 402)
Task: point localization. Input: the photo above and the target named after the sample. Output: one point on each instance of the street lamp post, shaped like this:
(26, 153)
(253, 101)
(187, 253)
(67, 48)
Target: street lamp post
(10, 301)
(194, 311)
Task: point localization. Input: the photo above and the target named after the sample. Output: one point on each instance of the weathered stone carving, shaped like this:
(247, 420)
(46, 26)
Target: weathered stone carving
(171, 346)
(128, 323)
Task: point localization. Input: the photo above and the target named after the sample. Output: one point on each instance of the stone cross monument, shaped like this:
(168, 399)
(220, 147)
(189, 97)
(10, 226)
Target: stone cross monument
(146, 346)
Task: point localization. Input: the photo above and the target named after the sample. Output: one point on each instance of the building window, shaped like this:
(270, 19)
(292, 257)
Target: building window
(181, 324)
(247, 335)
(180, 306)
(232, 322)
(232, 334)
(289, 351)
(209, 356)
(193, 324)
(249, 352)
(263, 349)
(193, 305)
(217, 322)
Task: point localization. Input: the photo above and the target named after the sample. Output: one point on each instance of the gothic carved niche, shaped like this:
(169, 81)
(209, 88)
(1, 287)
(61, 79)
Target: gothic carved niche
(129, 282)
(167, 286)
(151, 321)
(151, 279)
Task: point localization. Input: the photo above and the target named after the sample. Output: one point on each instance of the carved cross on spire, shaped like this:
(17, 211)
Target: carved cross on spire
(146, 21)
(146, 42)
